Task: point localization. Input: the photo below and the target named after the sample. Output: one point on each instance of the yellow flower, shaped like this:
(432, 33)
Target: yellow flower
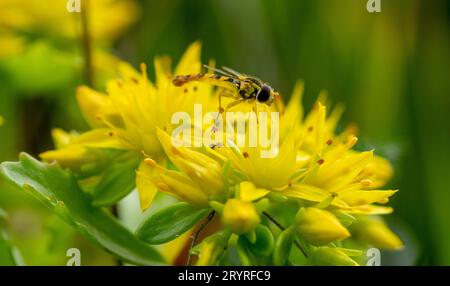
(265, 172)
(127, 118)
(331, 168)
(240, 216)
(134, 107)
(199, 178)
(1, 121)
(319, 227)
(314, 164)
(314, 168)
(376, 233)
(54, 19)
(77, 150)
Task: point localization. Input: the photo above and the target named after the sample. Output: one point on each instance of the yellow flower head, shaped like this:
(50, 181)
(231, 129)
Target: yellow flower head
(314, 169)
(331, 169)
(133, 107)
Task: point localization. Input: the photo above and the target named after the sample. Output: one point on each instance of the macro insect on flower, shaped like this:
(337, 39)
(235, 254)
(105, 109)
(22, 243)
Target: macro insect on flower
(239, 87)
(318, 202)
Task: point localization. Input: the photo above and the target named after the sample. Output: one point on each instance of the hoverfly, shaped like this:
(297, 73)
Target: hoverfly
(240, 87)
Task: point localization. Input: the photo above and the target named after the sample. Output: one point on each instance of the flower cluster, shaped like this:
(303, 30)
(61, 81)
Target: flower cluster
(46, 37)
(317, 202)
(19, 18)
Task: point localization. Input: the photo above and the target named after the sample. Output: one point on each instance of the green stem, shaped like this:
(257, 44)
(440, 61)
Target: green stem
(87, 47)
(275, 222)
(197, 233)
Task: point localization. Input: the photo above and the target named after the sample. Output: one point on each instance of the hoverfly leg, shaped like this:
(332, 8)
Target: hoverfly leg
(221, 110)
(224, 110)
(224, 93)
(234, 103)
(255, 110)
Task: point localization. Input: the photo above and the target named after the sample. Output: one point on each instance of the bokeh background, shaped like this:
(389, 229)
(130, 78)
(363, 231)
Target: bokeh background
(390, 69)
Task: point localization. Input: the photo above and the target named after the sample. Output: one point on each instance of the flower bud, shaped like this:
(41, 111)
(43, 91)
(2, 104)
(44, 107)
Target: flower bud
(319, 227)
(327, 256)
(240, 216)
(376, 233)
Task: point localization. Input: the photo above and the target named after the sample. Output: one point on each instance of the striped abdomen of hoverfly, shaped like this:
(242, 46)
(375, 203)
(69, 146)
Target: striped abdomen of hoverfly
(246, 89)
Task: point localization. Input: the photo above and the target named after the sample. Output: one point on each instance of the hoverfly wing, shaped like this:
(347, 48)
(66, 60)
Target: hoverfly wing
(218, 71)
(233, 72)
(242, 76)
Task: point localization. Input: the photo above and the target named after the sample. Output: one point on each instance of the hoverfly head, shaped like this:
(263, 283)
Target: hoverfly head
(265, 95)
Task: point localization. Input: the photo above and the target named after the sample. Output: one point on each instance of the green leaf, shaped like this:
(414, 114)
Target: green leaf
(169, 223)
(264, 244)
(59, 191)
(6, 253)
(243, 251)
(7, 257)
(118, 180)
(283, 247)
(47, 69)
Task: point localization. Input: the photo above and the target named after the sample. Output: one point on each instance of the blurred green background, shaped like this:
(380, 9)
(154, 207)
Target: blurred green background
(390, 69)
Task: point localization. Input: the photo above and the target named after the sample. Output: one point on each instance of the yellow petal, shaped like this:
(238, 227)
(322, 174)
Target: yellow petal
(361, 197)
(249, 193)
(146, 188)
(343, 171)
(293, 113)
(207, 251)
(173, 249)
(202, 169)
(90, 103)
(211, 248)
(162, 71)
(100, 138)
(312, 193)
(370, 210)
(190, 62)
(176, 184)
(62, 138)
(128, 72)
(70, 156)
(334, 117)
(82, 148)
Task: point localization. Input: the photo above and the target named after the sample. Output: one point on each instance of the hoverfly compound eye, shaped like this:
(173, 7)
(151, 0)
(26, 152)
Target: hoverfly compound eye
(264, 95)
